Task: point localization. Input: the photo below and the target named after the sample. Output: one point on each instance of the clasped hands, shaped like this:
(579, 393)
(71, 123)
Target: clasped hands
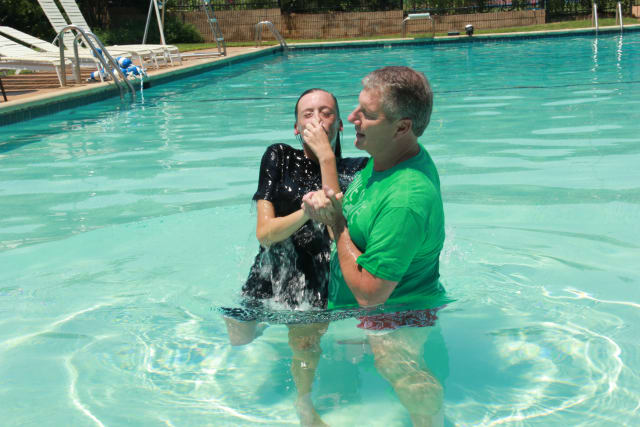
(324, 206)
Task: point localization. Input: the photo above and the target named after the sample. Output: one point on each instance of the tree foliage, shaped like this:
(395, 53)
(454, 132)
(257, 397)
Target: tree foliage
(131, 30)
(26, 16)
(95, 12)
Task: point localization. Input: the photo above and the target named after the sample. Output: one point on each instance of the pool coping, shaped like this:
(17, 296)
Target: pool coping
(74, 97)
(462, 38)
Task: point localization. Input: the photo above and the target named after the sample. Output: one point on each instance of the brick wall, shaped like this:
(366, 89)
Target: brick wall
(446, 23)
(340, 24)
(240, 25)
(236, 25)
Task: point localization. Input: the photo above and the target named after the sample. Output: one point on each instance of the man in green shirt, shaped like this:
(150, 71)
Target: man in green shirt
(396, 216)
(389, 230)
(389, 226)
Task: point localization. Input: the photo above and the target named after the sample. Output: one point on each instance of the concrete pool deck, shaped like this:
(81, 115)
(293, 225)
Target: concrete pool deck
(41, 101)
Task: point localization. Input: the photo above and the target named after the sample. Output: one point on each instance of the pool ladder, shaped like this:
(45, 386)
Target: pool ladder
(207, 7)
(594, 16)
(273, 29)
(108, 65)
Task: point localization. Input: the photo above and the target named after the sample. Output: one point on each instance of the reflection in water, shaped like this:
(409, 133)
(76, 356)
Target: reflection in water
(594, 69)
(619, 57)
(551, 367)
(547, 360)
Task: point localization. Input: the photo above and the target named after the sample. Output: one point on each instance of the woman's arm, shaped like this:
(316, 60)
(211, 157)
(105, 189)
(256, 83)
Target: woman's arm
(271, 229)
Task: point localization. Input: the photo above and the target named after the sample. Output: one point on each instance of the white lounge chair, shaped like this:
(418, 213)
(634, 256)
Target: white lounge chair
(10, 59)
(86, 59)
(143, 53)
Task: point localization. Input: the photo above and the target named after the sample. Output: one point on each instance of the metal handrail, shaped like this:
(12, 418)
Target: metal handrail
(115, 65)
(594, 18)
(275, 32)
(81, 34)
(619, 15)
(413, 16)
(154, 4)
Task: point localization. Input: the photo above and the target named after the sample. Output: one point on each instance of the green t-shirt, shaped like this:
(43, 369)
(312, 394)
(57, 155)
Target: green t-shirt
(395, 217)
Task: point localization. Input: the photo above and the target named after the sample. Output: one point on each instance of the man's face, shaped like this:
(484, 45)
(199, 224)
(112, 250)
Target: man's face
(374, 131)
(319, 106)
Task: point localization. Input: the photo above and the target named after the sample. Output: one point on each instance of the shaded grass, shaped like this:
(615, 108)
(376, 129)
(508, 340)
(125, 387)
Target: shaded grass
(565, 25)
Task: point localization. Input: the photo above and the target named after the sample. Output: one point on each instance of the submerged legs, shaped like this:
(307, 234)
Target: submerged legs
(399, 358)
(304, 341)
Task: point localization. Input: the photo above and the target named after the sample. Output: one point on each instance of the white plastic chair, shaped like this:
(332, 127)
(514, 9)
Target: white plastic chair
(87, 60)
(143, 53)
(14, 56)
(75, 16)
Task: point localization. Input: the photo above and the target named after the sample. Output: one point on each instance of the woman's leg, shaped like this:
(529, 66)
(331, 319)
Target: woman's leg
(242, 324)
(241, 332)
(304, 341)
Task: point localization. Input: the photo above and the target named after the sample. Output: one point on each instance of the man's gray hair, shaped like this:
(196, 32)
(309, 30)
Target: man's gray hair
(406, 94)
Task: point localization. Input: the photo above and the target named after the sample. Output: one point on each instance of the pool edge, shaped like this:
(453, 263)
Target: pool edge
(460, 39)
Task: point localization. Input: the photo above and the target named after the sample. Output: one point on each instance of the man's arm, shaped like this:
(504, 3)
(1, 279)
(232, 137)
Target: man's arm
(369, 290)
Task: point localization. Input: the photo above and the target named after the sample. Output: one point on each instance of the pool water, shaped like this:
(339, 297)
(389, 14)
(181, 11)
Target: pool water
(123, 229)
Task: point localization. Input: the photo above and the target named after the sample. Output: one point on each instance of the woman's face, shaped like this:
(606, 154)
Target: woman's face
(319, 105)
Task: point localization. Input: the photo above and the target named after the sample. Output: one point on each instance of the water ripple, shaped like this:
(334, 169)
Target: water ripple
(553, 367)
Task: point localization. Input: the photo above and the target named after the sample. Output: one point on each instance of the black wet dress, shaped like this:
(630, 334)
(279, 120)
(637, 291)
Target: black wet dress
(294, 272)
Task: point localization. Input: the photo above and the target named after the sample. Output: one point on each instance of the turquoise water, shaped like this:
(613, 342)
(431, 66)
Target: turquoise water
(123, 228)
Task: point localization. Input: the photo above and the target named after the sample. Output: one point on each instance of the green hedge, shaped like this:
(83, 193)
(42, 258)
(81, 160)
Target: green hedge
(131, 30)
(27, 16)
(566, 9)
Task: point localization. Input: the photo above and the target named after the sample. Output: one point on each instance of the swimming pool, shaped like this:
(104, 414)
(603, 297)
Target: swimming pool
(123, 228)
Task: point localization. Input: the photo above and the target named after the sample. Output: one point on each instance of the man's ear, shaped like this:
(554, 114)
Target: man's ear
(295, 129)
(341, 127)
(403, 127)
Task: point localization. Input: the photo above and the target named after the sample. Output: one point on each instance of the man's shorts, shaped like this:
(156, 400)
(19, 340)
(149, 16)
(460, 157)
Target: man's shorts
(391, 321)
(252, 309)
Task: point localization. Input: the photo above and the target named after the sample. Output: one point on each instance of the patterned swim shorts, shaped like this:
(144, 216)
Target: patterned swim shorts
(390, 321)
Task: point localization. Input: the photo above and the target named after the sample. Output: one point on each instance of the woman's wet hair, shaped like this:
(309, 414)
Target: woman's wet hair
(338, 149)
